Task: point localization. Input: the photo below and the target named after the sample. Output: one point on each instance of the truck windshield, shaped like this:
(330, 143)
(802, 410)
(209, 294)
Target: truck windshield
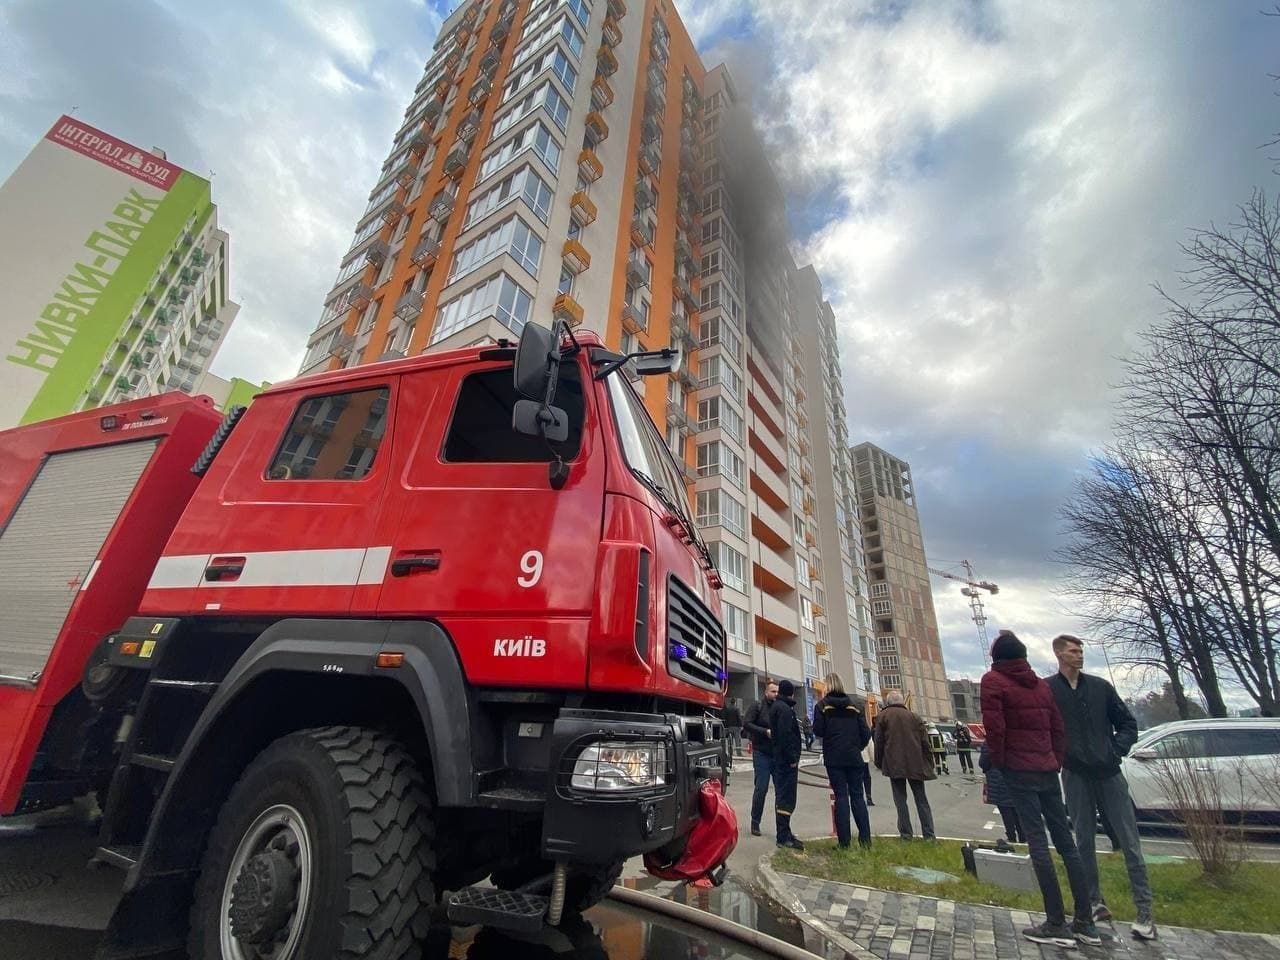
(644, 450)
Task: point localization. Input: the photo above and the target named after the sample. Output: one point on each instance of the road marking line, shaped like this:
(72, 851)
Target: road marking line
(989, 825)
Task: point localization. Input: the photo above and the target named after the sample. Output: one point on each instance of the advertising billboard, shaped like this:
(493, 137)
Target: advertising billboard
(85, 222)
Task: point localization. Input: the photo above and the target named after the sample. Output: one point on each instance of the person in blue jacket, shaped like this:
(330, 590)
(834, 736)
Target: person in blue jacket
(845, 734)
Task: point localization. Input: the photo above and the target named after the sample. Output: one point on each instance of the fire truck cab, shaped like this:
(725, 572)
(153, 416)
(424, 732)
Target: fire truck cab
(421, 623)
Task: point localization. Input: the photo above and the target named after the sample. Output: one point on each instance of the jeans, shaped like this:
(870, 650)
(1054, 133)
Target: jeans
(1086, 798)
(966, 761)
(846, 782)
(735, 738)
(785, 777)
(762, 767)
(923, 810)
(1012, 828)
(1038, 800)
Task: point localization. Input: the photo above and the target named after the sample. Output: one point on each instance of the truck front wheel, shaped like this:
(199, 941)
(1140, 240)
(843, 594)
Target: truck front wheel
(322, 849)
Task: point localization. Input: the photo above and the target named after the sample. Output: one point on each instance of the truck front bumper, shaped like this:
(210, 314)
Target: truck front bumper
(603, 826)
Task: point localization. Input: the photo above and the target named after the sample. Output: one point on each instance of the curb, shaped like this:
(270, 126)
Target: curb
(776, 889)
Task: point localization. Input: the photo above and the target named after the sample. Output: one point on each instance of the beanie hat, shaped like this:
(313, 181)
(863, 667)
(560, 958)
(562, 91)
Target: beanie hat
(1008, 647)
(786, 688)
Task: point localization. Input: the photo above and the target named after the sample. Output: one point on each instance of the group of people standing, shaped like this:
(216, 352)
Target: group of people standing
(1043, 738)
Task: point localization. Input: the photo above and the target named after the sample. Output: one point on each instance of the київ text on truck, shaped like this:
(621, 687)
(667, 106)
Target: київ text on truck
(405, 627)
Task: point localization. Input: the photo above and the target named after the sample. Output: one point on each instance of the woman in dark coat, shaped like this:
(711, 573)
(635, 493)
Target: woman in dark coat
(844, 732)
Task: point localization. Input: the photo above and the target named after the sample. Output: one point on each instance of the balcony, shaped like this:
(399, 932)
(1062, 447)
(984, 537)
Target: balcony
(409, 306)
(650, 130)
(455, 164)
(649, 161)
(377, 252)
(689, 180)
(680, 331)
(341, 344)
(612, 32)
(617, 9)
(479, 91)
(686, 215)
(641, 235)
(431, 112)
(442, 206)
(606, 61)
(199, 257)
(658, 49)
(469, 126)
(655, 99)
(575, 256)
(426, 252)
(601, 93)
(683, 249)
(395, 353)
(632, 320)
(418, 144)
(769, 525)
(358, 297)
(690, 472)
(597, 129)
(638, 271)
(489, 62)
(680, 286)
(777, 619)
(677, 415)
(589, 166)
(771, 573)
(567, 309)
(501, 30)
(393, 211)
(645, 196)
(582, 210)
(690, 152)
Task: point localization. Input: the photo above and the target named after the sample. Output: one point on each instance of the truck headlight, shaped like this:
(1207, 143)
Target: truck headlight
(620, 766)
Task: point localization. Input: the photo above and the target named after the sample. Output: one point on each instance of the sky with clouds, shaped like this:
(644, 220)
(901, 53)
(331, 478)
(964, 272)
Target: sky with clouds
(988, 191)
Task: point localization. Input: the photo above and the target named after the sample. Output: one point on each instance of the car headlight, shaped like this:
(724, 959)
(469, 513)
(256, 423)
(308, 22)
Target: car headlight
(620, 766)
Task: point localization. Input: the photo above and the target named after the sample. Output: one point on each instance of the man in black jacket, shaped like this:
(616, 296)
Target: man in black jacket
(786, 762)
(844, 732)
(759, 727)
(1100, 730)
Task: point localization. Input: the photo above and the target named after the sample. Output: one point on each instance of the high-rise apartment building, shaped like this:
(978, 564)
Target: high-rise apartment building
(573, 159)
(114, 272)
(966, 700)
(907, 642)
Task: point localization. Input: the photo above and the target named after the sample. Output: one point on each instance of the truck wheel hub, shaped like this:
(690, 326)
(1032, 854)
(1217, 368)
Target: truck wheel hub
(268, 888)
(263, 896)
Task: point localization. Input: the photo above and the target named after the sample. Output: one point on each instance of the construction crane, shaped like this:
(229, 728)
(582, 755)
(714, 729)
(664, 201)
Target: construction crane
(973, 590)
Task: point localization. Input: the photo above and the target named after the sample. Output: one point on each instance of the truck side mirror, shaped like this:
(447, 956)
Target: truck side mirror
(534, 369)
(659, 361)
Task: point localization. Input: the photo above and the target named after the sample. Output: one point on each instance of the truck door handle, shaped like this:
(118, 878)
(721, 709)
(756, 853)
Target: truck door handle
(224, 568)
(407, 565)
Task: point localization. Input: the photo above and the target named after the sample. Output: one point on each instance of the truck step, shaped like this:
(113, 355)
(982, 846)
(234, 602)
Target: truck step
(153, 761)
(512, 798)
(191, 686)
(503, 909)
(123, 857)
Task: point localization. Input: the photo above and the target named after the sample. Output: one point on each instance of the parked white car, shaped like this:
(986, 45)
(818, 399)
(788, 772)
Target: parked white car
(1241, 756)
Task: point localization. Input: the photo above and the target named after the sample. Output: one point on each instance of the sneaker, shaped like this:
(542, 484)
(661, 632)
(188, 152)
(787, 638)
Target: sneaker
(1086, 932)
(792, 844)
(1057, 934)
(1101, 914)
(1143, 929)
(755, 830)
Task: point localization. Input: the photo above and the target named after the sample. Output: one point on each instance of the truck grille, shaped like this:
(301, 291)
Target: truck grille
(690, 623)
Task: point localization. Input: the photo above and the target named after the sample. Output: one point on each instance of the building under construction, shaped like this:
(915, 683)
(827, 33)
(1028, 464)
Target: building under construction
(907, 642)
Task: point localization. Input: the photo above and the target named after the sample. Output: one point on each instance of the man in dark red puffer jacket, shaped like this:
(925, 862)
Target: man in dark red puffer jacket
(1027, 743)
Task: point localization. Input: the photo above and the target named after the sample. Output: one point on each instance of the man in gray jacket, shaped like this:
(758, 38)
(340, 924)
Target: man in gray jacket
(1100, 730)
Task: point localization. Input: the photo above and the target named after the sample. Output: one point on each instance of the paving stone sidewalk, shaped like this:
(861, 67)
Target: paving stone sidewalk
(902, 926)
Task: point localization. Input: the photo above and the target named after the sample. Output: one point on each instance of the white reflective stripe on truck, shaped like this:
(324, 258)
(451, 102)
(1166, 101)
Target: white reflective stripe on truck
(340, 567)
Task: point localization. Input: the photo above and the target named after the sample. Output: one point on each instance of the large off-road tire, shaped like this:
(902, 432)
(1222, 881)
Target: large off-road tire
(586, 886)
(322, 851)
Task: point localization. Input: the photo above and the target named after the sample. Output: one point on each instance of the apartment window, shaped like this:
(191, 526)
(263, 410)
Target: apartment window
(327, 432)
(731, 565)
(802, 568)
(889, 644)
(536, 138)
(369, 229)
(523, 183)
(881, 608)
(553, 60)
(711, 295)
(383, 195)
(713, 370)
(888, 661)
(512, 236)
(806, 612)
(349, 270)
(710, 263)
(716, 459)
(566, 281)
(546, 95)
(718, 508)
(718, 330)
(675, 442)
(499, 297)
(735, 625)
(534, 40)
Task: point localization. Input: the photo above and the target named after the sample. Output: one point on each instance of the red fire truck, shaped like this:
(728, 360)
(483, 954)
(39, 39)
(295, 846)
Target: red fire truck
(402, 628)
